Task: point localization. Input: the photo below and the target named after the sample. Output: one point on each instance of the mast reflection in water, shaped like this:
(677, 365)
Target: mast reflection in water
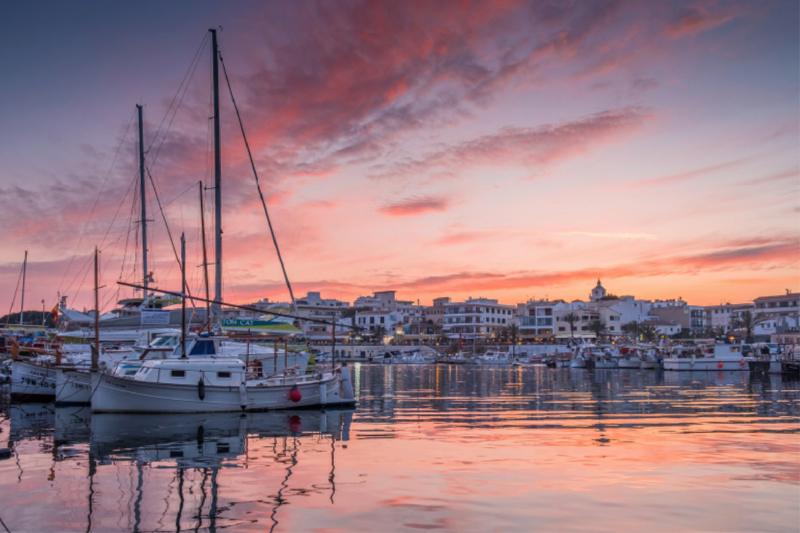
(429, 447)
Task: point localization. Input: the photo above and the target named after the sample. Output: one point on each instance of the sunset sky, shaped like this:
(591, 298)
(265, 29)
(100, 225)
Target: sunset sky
(510, 150)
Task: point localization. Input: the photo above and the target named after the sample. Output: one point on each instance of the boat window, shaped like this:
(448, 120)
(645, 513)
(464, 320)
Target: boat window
(203, 347)
(165, 341)
(178, 373)
(224, 375)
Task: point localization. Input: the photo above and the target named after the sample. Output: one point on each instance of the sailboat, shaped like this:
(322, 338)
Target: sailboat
(196, 377)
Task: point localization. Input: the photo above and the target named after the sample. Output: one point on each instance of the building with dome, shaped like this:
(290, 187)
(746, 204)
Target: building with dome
(598, 293)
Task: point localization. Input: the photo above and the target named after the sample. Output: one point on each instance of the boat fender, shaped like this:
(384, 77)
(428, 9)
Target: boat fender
(201, 389)
(742, 362)
(295, 395)
(5, 453)
(720, 365)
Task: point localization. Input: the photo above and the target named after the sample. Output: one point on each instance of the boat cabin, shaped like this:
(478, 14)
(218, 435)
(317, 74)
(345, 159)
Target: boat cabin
(226, 372)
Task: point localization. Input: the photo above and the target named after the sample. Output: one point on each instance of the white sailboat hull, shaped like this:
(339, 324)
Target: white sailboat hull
(32, 383)
(114, 394)
(73, 387)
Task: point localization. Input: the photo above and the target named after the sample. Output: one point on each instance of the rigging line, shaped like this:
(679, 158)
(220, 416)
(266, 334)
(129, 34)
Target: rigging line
(127, 240)
(258, 185)
(11, 309)
(118, 209)
(193, 69)
(78, 273)
(192, 186)
(86, 226)
(166, 224)
(194, 60)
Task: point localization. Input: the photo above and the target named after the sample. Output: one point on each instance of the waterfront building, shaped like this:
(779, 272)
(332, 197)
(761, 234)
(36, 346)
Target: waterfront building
(536, 318)
(434, 314)
(718, 317)
(689, 317)
(780, 314)
(371, 321)
(387, 301)
(664, 328)
(312, 305)
(615, 311)
(476, 317)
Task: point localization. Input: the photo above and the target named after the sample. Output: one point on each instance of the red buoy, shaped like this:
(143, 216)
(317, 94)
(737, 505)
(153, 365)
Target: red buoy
(719, 364)
(295, 395)
(742, 363)
(295, 424)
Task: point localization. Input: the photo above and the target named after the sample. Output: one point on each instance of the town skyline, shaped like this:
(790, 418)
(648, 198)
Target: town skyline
(511, 152)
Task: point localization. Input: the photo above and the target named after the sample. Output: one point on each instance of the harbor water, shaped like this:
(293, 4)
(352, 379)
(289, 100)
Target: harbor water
(428, 447)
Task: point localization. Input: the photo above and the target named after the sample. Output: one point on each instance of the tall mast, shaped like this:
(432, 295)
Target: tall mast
(183, 297)
(22, 302)
(217, 179)
(144, 203)
(96, 352)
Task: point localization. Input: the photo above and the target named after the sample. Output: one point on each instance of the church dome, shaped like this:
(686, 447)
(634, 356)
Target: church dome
(598, 292)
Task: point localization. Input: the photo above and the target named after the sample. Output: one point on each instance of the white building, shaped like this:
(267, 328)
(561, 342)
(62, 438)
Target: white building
(780, 314)
(719, 316)
(536, 318)
(386, 301)
(312, 305)
(479, 317)
(371, 321)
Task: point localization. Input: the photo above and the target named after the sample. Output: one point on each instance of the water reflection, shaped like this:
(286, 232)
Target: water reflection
(429, 447)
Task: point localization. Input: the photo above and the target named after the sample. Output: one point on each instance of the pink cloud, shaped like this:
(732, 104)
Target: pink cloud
(415, 205)
(685, 176)
(529, 146)
(699, 18)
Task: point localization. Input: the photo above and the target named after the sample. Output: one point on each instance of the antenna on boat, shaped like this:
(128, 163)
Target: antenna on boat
(217, 309)
(143, 201)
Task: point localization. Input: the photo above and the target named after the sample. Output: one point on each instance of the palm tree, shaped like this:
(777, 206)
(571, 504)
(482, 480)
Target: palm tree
(747, 321)
(513, 330)
(648, 332)
(632, 327)
(570, 318)
(597, 326)
(380, 332)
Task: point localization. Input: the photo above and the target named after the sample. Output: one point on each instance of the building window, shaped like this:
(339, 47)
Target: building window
(381, 320)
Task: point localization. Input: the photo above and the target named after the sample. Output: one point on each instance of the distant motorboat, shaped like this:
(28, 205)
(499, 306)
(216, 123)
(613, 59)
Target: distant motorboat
(493, 357)
(718, 357)
(414, 358)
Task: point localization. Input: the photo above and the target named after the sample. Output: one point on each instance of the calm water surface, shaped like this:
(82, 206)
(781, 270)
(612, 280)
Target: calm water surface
(457, 448)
